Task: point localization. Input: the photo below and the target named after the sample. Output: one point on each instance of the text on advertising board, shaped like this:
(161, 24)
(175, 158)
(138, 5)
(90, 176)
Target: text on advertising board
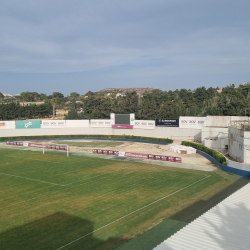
(122, 126)
(28, 124)
(167, 122)
(192, 122)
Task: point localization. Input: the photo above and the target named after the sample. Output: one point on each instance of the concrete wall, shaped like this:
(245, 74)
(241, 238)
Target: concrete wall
(223, 121)
(159, 132)
(238, 165)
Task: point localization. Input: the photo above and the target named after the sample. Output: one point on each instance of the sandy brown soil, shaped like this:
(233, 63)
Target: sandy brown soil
(147, 148)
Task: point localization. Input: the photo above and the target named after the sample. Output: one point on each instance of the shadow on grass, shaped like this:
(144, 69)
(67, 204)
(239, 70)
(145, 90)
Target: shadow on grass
(54, 232)
(198, 208)
(155, 236)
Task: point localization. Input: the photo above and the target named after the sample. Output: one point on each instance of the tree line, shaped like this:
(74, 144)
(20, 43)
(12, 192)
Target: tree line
(15, 111)
(228, 101)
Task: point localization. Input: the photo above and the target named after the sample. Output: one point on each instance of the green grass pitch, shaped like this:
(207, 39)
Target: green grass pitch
(56, 202)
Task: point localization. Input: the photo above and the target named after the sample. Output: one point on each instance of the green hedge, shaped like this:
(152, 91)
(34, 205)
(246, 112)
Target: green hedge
(88, 136)
(216, 155)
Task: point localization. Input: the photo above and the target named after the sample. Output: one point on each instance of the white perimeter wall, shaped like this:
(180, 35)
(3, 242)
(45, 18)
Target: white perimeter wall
(238, 165)
(159, 132)
(223, 121)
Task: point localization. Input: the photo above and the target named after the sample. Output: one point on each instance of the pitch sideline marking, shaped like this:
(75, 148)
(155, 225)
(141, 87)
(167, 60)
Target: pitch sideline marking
(17, 176)
(55, 192)
(131, 213)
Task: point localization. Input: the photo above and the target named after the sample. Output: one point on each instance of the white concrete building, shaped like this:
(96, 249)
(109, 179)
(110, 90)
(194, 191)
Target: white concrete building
(239, 142)
(215, 133)
(214, 137)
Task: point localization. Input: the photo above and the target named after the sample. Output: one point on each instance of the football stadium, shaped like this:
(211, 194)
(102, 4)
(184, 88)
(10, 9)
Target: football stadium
(109, 184)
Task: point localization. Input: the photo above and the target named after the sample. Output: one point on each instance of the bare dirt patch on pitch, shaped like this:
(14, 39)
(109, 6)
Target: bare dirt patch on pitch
(147, 148)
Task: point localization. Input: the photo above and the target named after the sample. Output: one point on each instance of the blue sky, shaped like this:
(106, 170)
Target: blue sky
(77, 46)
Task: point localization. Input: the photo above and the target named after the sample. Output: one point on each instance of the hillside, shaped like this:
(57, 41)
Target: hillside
(124, 90)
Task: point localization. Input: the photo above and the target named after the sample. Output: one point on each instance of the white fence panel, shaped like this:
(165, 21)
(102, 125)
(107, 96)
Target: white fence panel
(145, 124)
(192, 122)
(53, 124)
(77, 123)
(94, 123)
(7, 125)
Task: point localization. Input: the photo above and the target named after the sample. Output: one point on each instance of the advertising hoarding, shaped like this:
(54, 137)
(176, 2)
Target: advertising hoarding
(7, 125)
(53, 124)
(136, 155)
(145, 124)
(123, 126)
(94, 123)
(121, 153)
(167, 122)
(27, 124)
(49, 146)
(16, 143)
(158, 157)
(77, 123)
(192, 122)
(132, 119)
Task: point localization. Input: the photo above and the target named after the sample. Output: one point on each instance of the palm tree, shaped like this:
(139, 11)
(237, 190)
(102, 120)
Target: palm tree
(53, 101)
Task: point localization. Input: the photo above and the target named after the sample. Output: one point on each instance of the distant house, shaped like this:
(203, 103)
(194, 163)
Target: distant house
(9, 95)
(120, 94)
(30, 103)
(246, 83)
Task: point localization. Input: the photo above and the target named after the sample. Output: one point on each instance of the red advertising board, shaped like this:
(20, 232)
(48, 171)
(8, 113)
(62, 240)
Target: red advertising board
(16, 143)
(164, 158)
(49, 146)
(157, 157)
(170, 158)
(136, 155)
(151, 157)
(122, 126)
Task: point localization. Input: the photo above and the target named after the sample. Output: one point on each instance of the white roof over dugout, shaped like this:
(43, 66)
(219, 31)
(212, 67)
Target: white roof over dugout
(224, 227)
